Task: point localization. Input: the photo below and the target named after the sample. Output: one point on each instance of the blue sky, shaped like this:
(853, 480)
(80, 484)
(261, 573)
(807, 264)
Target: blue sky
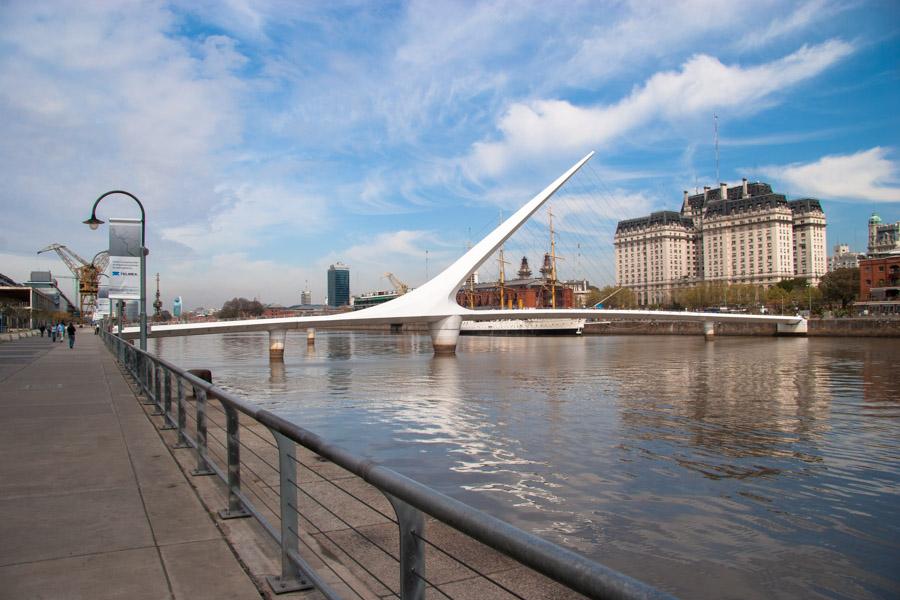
(270, 139)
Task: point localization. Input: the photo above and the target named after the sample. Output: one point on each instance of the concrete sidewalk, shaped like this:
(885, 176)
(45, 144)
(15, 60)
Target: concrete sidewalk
(92, 503)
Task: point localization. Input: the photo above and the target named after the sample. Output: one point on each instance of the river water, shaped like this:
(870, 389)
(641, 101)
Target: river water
(741, 468)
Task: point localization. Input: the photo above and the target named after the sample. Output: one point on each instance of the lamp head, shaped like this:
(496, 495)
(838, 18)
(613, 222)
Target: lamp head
(93, 222)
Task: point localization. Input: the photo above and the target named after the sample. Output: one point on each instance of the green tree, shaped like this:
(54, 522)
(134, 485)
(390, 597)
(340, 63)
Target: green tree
(241, 308)
(790, 285)
(840, 285)
(613, 297)
(778, 299)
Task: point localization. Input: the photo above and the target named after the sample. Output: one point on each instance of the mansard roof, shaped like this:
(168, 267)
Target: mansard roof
(697, 201)
(662, 217)
(759, 197)
(752, 203)
(805, 205)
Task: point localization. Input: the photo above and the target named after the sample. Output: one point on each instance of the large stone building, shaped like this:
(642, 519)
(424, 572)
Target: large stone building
(744, 234)
(883, 237)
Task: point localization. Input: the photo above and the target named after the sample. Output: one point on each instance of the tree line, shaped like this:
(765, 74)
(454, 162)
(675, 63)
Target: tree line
(835, 292)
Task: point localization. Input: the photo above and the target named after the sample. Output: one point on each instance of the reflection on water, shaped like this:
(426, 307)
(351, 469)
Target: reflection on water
(277, 375)
(769, 467)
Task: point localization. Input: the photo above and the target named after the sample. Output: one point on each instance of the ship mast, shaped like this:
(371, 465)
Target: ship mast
(502, 277)
(471, 279)
(552, 260)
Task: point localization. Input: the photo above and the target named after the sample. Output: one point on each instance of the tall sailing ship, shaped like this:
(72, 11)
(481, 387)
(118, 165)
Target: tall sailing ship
(524, 292)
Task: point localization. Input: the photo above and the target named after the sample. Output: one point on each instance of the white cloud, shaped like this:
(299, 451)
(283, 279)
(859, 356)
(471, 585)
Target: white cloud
(211, 280)
(868, 175)
(248, 216)
(802, 17)
(536, 129)
(400, 252)
(649, 30)
(97, 96)
(19, 267)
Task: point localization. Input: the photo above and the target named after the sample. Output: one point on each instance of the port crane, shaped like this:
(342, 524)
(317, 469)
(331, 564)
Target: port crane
(87, 274)
(399, 286)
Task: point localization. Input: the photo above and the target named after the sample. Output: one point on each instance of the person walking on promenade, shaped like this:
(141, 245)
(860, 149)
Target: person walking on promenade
(52, 333)
(42, 328)
(60, 331)
(71, 331)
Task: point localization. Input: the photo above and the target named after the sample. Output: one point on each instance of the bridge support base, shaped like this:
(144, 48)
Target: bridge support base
(445, 334)
(310, 336)
(797, 329)
(709, 330)
(276, 344)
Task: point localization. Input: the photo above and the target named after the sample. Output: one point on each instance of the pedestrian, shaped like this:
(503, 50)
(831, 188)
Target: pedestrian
(52, 334)
(71, 331)
(42, 328)
(60, 332)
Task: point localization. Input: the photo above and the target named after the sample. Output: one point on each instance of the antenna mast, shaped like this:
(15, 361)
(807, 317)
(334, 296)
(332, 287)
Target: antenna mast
(716, 125)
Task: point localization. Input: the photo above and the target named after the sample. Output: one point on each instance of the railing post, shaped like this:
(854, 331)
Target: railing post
(202, 464)
(412, 549)
(168, 422)
(292, 578)
(235, 508)
(143, 377)
(182, 441)
(157, 389)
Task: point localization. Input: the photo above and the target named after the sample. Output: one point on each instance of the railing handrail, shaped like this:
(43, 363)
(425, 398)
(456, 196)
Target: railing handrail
(560, 564)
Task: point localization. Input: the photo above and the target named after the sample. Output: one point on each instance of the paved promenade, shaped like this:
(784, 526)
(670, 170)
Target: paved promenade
(92, 503)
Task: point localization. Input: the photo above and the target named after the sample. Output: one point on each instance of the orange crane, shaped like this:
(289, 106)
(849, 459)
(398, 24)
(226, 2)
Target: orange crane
(86, 273)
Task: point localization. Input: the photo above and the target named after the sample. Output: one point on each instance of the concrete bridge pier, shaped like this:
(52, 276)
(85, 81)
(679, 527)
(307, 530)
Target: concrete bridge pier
(310, 336)
(276, 344)
(709, 330)
(445, 334)
(796, 329)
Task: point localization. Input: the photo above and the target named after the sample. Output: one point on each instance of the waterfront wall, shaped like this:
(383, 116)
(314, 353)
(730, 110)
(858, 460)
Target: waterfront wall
(861, 327)
(867, 327)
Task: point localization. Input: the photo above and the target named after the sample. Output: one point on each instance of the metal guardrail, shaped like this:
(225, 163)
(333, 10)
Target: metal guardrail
(165, 386)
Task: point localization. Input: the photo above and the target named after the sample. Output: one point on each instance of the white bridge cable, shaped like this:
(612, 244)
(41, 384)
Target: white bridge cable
(585, 214)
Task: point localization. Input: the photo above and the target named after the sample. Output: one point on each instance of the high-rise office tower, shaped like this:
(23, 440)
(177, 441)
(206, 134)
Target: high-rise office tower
(338, 285)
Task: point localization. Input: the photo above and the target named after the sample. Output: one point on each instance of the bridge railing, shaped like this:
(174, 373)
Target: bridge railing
(336, 533)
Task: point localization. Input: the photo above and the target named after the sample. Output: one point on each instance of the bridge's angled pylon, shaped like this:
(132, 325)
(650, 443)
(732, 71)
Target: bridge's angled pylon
(435, 301)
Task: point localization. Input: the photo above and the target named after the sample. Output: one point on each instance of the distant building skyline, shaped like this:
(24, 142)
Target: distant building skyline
(843, 258)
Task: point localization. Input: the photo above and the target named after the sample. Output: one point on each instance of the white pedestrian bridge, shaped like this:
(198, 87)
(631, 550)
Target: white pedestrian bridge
(435, 301)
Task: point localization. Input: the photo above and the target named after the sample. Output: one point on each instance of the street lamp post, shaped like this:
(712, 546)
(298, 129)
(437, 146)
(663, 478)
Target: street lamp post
(94, 223)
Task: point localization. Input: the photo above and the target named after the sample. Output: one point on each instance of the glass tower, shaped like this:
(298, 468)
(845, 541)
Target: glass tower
(338, 285)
